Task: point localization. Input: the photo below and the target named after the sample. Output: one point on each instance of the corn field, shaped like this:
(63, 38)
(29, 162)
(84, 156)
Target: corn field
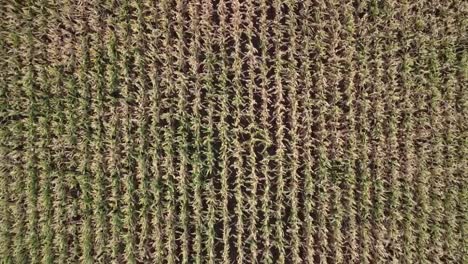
(233, 131)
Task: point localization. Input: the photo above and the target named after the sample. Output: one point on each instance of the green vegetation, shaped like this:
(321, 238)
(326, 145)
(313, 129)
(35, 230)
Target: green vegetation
(229, 131)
